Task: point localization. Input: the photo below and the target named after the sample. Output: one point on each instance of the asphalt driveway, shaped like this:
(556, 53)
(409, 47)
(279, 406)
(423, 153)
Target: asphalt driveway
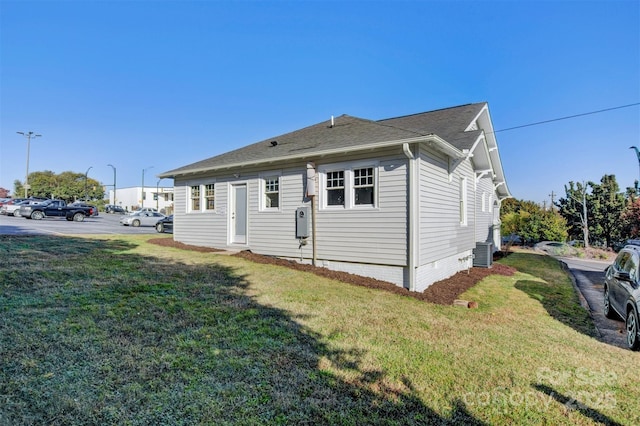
(101, 224)
(589, 278)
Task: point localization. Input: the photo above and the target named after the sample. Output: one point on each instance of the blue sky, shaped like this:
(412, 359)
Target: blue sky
(167, 83)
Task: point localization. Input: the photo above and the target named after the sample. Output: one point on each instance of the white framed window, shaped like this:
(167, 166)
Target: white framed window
(210, 196)
(363, 186)
(335, 188)
(484, 201)
(463, 201)
(349, 185)
(270, 192)
(194, 198)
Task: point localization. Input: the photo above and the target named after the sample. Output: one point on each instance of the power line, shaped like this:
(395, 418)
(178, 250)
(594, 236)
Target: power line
(567, 117)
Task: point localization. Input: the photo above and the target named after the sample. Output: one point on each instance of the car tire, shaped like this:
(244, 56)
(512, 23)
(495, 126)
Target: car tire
(160, 227)
(78, 217)
(631, 325)
(135, 223)
(37, 215)
(606, 308)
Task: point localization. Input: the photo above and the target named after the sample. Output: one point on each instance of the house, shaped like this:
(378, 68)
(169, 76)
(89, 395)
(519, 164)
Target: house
(406, 200)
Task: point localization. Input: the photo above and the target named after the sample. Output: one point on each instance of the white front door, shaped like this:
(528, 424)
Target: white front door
(239, 215)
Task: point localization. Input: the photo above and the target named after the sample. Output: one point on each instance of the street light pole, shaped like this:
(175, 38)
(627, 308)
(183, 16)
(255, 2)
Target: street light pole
(28, 135)
(158, 194)
(637, 155)
(85, 182)
(114, 184)
(142, 199)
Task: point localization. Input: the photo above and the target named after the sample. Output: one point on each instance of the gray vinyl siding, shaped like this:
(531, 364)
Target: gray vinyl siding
(364, 235)
(441, 234)
(207, 229)
(484, 219)
(377, 235)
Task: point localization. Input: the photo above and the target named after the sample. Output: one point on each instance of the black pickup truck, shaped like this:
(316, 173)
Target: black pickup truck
(55, 208)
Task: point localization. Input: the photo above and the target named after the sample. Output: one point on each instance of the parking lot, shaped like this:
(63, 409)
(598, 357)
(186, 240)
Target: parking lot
(102, 224)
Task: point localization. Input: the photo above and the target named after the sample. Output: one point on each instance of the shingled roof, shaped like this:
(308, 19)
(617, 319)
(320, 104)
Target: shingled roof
(449, 123)
(347, 133)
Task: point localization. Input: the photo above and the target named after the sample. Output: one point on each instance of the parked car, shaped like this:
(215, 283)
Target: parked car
(113, 209)
(165, 224)
(12, 208)
(56, 208)
(512, 239)
(622, 292)
(141, 218)
(94, 209)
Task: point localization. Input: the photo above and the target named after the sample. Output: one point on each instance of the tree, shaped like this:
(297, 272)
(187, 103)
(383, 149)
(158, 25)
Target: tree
(574, 208)
(531, 222)
(630, 219)
(606, 206)
(68, 186)
(596, 214)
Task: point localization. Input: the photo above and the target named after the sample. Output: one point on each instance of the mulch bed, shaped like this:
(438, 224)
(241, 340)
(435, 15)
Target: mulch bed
(168, 242)
(442, 292)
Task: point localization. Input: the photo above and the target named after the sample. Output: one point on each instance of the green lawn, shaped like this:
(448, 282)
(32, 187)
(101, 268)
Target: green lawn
(118, 331)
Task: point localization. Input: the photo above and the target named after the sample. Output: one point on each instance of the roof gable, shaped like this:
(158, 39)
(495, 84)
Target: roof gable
(450, 124)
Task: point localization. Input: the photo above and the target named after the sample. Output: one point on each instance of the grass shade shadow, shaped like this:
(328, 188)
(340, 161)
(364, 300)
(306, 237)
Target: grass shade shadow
(551, 286)
(94, 334)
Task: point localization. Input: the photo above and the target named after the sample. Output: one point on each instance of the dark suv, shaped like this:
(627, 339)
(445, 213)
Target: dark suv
(622, 292)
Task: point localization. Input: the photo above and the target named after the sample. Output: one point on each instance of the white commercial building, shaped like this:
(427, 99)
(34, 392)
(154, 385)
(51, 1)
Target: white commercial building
(133, 198)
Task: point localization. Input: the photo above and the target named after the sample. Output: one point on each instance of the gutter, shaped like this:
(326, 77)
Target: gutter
(413, 216)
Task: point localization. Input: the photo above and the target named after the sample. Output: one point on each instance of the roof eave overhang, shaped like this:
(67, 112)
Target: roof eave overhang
(431, 140)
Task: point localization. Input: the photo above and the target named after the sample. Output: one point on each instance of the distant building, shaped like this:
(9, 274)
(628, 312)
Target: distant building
(132, 198)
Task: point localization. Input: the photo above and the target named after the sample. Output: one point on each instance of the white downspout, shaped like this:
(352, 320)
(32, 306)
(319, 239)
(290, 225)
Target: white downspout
(413, 217)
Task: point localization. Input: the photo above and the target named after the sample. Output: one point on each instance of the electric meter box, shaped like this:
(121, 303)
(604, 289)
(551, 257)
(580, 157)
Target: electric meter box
(303, 222)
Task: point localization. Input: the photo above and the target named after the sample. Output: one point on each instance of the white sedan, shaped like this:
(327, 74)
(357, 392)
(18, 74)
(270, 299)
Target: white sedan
(141, 218)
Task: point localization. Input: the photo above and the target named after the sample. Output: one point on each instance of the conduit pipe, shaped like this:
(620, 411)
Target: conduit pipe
(311, 193)
(413, 217)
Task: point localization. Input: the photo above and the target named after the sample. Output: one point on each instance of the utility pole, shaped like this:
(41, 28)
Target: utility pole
(85, 183)
(29, 136)
(552, 195)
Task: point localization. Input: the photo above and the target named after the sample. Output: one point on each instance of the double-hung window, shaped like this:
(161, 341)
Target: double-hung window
(194, 196)
(272, 192)
(349, 186)
(210, 196)
(363, 186)
(335, 188)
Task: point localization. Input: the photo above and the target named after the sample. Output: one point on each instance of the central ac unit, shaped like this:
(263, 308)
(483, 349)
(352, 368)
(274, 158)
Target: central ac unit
(483, 255)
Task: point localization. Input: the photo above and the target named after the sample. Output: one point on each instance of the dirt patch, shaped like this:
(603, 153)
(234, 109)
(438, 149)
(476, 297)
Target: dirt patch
(442, 292)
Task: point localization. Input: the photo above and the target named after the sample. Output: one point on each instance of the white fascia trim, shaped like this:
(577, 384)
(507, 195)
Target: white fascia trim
(432, 139)
(481, 173)
(475, 145)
